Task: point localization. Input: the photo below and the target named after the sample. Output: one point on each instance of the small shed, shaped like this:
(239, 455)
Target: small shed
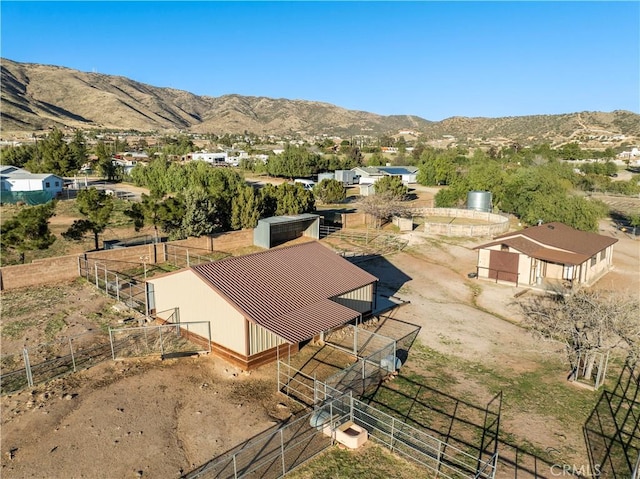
(278, 229)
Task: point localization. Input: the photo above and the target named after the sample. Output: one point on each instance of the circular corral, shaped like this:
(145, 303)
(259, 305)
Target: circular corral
(461, 222)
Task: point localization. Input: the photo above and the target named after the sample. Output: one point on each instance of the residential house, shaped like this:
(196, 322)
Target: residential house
(548, 253)
(371, 174)
(19, 183)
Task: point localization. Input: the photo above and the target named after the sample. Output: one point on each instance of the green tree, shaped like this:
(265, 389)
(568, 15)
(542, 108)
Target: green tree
(106, 168)
(330, 191)
(29, 230)
(353, 156)
(78, 150)
(436, 168)
(293, 162)
(202, 215)
(542, 193)
(571, 151)
(148, 210)
(170, 214)
(52, 155)
(377, 159)
(245, 208)
(268, 200)
(96, 206)
(17, 155)
(293, 200)
(391, 186)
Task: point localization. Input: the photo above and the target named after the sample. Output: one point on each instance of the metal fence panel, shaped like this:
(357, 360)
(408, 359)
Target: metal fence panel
(167, 339)
(426, 449)
(270, 455)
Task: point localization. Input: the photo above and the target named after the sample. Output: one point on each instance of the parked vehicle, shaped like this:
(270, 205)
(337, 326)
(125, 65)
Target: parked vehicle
(306, 184)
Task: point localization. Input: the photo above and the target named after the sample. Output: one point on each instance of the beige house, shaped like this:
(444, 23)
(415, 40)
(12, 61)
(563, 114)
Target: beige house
(258, 302)
(552, 252)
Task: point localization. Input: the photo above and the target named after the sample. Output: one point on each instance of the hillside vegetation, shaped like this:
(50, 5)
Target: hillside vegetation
(38, 97)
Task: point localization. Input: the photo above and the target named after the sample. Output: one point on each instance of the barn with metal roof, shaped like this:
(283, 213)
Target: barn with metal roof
(258, 302)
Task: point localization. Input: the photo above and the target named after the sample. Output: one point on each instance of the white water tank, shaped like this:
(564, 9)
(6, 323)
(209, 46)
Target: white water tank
(479, 201)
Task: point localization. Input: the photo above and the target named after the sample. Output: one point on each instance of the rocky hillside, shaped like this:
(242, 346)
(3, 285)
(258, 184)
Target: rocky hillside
(40, 96)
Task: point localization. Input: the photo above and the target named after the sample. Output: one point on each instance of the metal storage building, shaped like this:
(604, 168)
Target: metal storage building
(257, 303)
(278, 229)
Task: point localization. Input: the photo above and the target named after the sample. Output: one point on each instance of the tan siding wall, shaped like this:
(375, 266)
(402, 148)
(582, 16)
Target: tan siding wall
(261, 340)
(524, 268)
(601, 266)
(484, 256)
(554, 271)
(198, 302)
(360, 299)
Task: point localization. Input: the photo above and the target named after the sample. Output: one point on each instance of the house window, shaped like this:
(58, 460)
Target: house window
(603, 254)
(47, 184)
(57, 183)
(594, 260)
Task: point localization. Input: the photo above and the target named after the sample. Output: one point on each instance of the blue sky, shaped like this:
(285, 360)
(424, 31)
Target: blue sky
(431, 59)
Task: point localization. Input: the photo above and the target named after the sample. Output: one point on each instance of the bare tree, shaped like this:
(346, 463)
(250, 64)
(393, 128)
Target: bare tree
(587, 322)
(383, 206)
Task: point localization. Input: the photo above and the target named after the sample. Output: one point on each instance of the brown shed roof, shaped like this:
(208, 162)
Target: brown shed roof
(286, 290)
(554, 242)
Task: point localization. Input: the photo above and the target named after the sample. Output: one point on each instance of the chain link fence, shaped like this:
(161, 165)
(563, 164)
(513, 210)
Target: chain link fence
(366, 372)
(356, 340)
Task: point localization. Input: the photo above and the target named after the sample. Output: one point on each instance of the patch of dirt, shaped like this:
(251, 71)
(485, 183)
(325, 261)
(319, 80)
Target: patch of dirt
(153, 418)
(478, 322)
(142, 417)
(34, 316)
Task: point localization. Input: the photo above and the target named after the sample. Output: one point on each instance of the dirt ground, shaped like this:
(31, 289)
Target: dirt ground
(159, 419)
(136, 418)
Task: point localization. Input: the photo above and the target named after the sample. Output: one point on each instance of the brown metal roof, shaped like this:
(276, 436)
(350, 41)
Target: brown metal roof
(555, 242)
(535, 250)
(278, 288)
(308, 321)
(561, 236)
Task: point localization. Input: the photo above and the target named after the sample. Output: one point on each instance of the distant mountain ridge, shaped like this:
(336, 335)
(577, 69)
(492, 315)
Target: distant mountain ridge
(35, 97)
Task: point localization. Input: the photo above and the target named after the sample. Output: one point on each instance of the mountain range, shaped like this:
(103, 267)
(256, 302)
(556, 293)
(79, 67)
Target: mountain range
(36, 97)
